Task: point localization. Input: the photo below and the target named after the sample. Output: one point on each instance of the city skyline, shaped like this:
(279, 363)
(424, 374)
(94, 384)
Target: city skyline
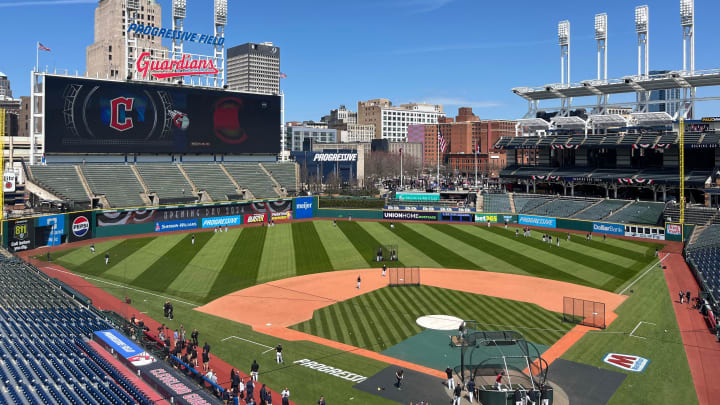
(432, 51)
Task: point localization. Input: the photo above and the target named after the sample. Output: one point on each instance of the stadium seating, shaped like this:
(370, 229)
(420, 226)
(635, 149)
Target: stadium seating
(646, 213)
(601, 210)
(284, 173)
(43, 355)
(525, 203)
(117, 182)
(497, 203)
(167, 182)
(560, 208)
(61, 180)
(704, 256)
(252, 177)
(212, 179)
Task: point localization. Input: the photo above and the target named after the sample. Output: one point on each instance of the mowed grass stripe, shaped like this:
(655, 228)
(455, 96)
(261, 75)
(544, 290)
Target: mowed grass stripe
(441, 254)
(372, 323)
(576, 245)
(334, 320)
(619, 273)
(241, 267)
(409, 254)
(310, 255)
(364, 243)
(118, 253)
(278, 259)
(199, 275)
(402, 323)
(533, 265)
(351, 327)
(618, 247)
(387, 322)
(340, 250)
(476, 254)
(164, 270)
(134, 265)
(82, 254)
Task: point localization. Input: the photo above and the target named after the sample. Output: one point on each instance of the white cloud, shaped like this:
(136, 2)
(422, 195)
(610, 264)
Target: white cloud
(31, 3)
(423, 6)
(463, 102)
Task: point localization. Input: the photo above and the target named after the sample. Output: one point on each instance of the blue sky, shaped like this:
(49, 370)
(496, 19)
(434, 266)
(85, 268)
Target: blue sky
(453, 52)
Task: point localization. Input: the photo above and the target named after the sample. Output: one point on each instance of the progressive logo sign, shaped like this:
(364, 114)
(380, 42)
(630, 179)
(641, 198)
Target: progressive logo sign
(627, 362)
(80, 226)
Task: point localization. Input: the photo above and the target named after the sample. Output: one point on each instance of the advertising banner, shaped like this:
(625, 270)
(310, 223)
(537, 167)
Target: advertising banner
(178, 388)
(255, 218)
(114, 218)
(410, 215)
(56, 224)
(221, 221)
(281, 216)
(80, 226)
(492, 218)
(673, 229)
(126, 349)
(611, 229)
(179, 225)
(408, 196)
(21, 235)
(100, 116)
(544, 222)
(456, 217)
(303, 207)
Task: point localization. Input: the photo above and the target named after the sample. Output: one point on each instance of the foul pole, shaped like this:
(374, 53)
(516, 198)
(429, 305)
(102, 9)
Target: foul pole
(681, 143)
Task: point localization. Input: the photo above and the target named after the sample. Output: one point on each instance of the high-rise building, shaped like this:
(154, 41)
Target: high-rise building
(5, 90)
(391, 122)
(24, 117)
(340, 116)
(355, 133)
(254, 68)
(296, 135)
(671, 97)
(106, 56)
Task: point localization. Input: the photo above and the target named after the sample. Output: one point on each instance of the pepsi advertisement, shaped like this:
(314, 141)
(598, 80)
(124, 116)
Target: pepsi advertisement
(80, 226)
(101, 116)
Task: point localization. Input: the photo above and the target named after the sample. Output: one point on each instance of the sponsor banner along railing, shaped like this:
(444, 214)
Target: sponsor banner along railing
(126, 350)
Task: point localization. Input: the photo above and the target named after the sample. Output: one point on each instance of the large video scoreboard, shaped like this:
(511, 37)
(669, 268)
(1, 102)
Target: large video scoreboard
(101, 116)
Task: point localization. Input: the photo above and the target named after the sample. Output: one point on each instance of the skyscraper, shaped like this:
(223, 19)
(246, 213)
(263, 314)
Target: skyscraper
(106, 56)
(5, 90)
(254, 68)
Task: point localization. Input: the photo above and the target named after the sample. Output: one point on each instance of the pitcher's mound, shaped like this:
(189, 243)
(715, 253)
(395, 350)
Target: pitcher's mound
(439, 322)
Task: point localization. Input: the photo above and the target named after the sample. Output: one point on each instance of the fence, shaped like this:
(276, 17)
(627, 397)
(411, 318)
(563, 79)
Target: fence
(584, 312)
(400, 276)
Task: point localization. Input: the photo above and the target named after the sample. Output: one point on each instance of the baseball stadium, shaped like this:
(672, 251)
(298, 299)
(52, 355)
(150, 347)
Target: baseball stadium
(161, 244)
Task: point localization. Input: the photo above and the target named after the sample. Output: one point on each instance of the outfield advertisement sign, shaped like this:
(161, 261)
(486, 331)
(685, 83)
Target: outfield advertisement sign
(544, 222)
(303, 207)
(627, 362)
(80, 226)
(485, 218)
(181, 225)
(417, 196)
(673, 229)
(426, 208)
(610, 229)
(126, 349)
(456, 217)
(281, 216)
(114, 218)
(410, 215)
(56, 225)
(221, 221)
(22, 235)
(255, 218)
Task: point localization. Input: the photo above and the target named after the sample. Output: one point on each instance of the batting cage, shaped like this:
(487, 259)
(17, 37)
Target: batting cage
(400, 276)
(386, 253)
(584, 312)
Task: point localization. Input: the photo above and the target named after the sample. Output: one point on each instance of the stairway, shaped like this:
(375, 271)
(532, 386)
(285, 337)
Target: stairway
(696, 234)
(512, 202)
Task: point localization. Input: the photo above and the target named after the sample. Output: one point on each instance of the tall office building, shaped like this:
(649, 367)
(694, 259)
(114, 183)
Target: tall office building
(5, 90)
(106, 56)
(254, 68)
(391, 122)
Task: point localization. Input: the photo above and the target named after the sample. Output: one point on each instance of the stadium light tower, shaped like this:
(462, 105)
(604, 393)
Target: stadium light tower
(178, 14)
(687, 20)
(601, 37)
(564, 42)
(642, 24)
(220, 23)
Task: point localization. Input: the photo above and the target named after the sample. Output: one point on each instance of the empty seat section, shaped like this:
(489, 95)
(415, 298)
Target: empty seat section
(646, 213)
(212, 179)
(252, 177)
(117, 182)
(166, 180)
(61, 180)
(284, 173)
(601, 210)
(497, 203)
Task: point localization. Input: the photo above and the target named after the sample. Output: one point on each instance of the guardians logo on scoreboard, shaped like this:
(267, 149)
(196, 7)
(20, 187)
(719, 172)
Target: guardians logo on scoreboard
(101, 116)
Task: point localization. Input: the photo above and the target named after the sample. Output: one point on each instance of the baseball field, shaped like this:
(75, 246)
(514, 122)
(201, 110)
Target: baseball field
(225, 264)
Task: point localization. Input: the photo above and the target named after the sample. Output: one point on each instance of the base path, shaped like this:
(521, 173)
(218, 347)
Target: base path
(700, 345)
(293, 300)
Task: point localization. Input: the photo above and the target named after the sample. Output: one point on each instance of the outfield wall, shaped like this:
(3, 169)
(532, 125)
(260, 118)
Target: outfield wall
(52, 230)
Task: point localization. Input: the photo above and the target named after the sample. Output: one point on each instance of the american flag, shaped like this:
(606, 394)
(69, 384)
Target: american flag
(43, 47)
(283, 75)
(441, 141)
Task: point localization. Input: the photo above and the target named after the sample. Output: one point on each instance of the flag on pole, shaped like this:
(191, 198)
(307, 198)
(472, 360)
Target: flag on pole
(477, 148)
(441, 141)
(43, 47)
(283, 75)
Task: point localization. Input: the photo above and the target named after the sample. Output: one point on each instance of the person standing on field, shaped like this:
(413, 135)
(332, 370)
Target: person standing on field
(278, 354)
(358, 282)
(450, 379)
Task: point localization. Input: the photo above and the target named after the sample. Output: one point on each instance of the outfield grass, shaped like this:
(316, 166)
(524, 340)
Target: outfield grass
(223, 262)
(667, 378)
(386, 317)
